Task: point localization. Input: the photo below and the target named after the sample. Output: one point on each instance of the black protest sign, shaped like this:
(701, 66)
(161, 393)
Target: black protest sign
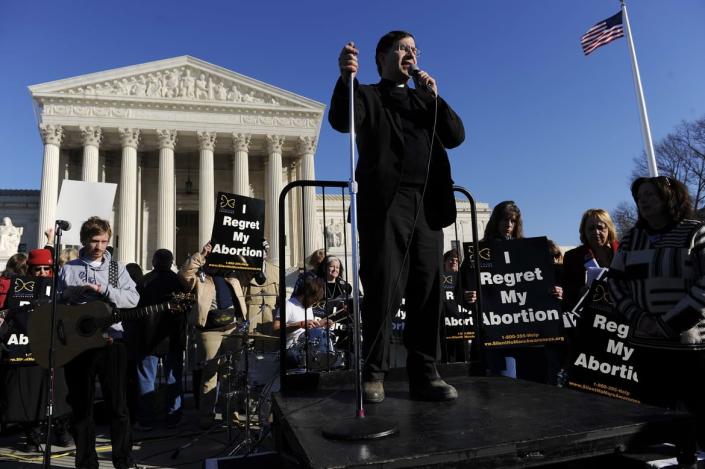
(517, 277)
(397, 350)
(238, 234)
(398, 323)
(602, 362)
(23, 291)
(457, 319)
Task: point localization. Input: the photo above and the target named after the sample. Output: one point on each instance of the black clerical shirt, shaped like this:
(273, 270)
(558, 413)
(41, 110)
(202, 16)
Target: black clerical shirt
(417, 148)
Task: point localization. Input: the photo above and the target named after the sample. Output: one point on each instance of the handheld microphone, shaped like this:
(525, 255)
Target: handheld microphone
(414, 72)
(64, 225)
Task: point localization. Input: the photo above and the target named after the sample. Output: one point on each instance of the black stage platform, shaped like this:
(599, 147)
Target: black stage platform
(496, 422)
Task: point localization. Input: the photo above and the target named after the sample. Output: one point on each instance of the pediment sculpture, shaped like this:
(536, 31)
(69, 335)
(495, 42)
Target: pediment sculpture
(185, 83)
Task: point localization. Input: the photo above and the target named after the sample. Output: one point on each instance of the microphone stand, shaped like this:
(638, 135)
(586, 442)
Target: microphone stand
(52, 371)
(361, 426)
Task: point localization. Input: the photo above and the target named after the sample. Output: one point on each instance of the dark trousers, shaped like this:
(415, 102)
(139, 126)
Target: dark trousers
(109, 363)
(173, 369)
(383, 244)
(674, 379)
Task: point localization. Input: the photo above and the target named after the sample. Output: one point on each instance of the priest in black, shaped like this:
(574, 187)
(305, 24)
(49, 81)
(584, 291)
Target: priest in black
(405, 199)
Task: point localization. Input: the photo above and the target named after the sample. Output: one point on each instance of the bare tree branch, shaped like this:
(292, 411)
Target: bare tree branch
(624, 218)
(679, 155)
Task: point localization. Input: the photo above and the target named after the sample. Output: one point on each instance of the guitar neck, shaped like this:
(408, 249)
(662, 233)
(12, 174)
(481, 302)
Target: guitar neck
(133, 313)
(139, 313)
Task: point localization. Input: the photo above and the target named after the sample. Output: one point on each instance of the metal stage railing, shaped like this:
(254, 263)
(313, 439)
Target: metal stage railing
(476, 365)
(299, 251)
(304, 347)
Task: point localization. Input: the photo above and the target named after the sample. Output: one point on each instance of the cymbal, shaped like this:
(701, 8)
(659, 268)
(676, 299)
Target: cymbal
(252, 335)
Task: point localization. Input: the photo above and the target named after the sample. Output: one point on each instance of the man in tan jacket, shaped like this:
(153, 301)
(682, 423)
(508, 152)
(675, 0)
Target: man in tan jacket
(219, 309)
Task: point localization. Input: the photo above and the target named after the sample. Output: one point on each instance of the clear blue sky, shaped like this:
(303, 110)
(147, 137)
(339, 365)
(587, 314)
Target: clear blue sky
(547, 127)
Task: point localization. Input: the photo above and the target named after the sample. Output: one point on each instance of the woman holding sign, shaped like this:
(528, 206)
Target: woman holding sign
(219, 309)
(529, 362)
(657, 282)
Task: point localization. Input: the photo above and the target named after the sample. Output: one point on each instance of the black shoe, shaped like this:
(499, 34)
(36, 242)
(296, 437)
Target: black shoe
(62, 438)
(373, 391)
(142, 427)
(432, 390)
(173, 420)
(33, 440)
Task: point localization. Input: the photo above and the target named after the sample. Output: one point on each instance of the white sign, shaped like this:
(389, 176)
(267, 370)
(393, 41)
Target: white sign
(81, 200)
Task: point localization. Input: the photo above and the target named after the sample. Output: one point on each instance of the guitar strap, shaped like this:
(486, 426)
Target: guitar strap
(113, 274)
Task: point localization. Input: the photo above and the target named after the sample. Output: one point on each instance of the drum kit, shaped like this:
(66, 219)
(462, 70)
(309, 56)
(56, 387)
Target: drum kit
(252, 371)
(322, 348)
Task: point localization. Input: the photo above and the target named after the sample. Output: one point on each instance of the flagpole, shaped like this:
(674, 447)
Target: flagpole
(645, 129)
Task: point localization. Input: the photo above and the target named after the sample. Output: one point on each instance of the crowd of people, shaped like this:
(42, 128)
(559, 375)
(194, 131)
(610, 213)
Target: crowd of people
(127, 366)
(656, 276)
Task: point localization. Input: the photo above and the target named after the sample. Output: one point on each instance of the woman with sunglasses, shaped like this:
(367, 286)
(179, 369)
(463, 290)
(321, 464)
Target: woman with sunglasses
(657, 282)
(39, 263)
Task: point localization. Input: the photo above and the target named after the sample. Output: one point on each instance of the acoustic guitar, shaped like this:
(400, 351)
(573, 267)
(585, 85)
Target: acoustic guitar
(81, 327)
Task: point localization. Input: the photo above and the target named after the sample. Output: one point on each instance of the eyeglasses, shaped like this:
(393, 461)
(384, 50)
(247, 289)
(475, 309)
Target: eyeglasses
(664, 178)
(409, 49)
(41, 268)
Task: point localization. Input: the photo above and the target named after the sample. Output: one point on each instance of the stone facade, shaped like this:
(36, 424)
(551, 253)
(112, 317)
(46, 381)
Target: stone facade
(171, 134)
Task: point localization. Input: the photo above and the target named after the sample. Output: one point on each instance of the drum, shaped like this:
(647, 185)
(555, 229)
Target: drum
(263, 368)
(320, 349)
(262, 380)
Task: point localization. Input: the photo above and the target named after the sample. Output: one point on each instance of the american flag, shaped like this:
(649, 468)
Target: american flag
(602, 33)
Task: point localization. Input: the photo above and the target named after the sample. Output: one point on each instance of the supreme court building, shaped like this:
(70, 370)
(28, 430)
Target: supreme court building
(171, 134)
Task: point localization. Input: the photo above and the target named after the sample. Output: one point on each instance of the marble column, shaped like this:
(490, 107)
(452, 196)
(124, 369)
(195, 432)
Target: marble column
(90, 137)
(272, 189)
(306, 149)
(138, 227)
(166, 205)
(294, 222)
(49, 194)
(206, 187)
(127, 225)
(241, 171)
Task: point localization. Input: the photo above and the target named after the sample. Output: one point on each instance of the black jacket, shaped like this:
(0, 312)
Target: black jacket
(155, 287)
(380, 145)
